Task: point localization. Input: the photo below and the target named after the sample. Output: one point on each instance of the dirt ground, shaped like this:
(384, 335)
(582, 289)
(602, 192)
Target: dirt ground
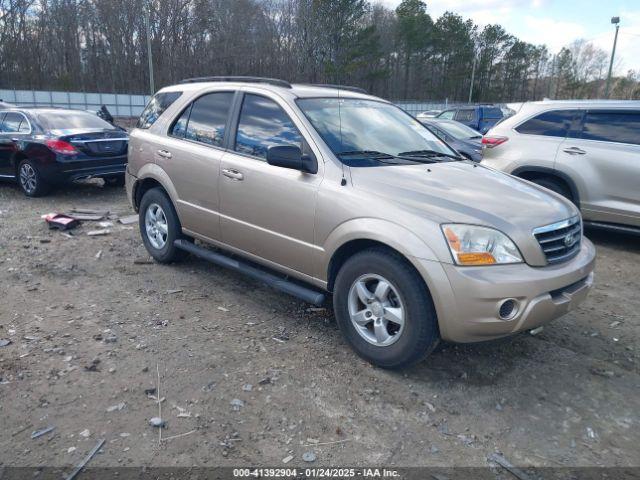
(260, 376)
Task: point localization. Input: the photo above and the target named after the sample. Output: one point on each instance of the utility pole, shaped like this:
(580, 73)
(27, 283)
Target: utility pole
(147, 22)
(615, 21)
(473, 76)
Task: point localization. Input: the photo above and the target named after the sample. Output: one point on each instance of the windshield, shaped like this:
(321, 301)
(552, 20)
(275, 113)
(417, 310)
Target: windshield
(350, 125)
(458, 130)
(70, 119)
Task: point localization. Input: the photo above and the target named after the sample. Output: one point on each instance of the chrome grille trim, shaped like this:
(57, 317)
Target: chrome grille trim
(555, 239)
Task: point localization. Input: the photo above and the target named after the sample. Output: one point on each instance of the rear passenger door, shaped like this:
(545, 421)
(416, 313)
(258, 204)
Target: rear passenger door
(268, 211)
(606, 155)
(191, 154)
(14, 127)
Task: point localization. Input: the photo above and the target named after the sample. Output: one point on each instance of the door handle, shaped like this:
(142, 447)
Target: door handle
(574, 151)
(234, 174)
(164, 153)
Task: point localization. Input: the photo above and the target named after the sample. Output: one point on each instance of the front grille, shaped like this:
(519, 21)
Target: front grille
(560, 241)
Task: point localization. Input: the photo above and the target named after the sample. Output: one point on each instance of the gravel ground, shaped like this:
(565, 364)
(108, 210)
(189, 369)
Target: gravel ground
(252, 376)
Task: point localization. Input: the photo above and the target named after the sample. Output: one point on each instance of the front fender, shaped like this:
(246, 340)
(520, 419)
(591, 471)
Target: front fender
(386, 232)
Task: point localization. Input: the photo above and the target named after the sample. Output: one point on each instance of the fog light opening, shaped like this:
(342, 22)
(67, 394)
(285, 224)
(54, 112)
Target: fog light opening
(508, 309)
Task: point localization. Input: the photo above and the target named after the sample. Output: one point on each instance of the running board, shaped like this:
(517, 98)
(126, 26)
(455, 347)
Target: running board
(613, 227)
(279, 283)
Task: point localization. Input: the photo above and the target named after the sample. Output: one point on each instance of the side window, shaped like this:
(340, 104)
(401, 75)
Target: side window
(619, 127)
(448, 114)
(465, 115)
(263, 124)
(1, 122)
(208, 118)
(156, 107)
(179, 127)
(549, 124)
(14, 123)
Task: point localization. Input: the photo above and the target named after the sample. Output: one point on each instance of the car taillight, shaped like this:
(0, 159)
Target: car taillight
(62, 147)
(491, 142)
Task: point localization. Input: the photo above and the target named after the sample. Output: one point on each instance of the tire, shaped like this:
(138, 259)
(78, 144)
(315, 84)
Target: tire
(407, 344)
(30, 180)
(114, 181)
(156, 203)
(554, 186)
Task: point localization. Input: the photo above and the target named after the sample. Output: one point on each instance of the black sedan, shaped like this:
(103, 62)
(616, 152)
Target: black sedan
(43, 147)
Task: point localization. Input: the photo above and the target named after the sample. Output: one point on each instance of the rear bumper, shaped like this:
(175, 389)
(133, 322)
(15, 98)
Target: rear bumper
(86, 168)
(468, 299)
(129, 182)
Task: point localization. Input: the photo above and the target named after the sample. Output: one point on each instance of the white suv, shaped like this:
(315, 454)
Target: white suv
(587, 151)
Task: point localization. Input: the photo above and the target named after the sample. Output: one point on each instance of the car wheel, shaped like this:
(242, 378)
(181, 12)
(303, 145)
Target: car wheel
(554, 186)
(30, 180)
(114, 181)
(384, 309)
(160, 226)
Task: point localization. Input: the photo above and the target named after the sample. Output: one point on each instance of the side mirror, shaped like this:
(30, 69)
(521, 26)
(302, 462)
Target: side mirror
(290, 156)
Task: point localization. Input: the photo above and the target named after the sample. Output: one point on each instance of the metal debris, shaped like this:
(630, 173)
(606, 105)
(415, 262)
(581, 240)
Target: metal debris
(128, 219)
(504, 463)
(118, 407)
(536, 331)
(287, 459)
(157, 422)
(85, 460)
(39, 433)
(4, 342)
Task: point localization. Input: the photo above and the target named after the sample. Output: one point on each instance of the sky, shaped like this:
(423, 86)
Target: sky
(556, 23)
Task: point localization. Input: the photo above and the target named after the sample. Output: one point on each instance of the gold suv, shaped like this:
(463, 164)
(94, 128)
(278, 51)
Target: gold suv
(315, 189)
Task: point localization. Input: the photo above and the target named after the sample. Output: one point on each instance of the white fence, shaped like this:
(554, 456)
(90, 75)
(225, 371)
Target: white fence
(120, 105)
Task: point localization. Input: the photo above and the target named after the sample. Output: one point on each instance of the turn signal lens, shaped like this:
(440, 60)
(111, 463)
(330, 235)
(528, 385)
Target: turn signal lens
(484, 258)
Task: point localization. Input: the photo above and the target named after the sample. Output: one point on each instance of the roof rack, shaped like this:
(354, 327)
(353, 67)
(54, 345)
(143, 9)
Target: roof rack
(341, 87)
(271, 81)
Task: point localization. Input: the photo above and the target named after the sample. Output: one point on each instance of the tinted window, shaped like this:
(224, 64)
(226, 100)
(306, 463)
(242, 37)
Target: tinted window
(621, 127)
(448, 114)
(208, 118)
(465, 115)
(263, 124)
(494, 113)
(549, 124)
(70, 119)
(156, 106)
(14, 123)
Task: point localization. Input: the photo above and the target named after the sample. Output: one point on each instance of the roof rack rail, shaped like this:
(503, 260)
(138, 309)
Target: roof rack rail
(271, 81)
(341, 87)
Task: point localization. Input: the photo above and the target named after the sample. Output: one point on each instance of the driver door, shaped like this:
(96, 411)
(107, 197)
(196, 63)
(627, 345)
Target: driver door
(267, 211)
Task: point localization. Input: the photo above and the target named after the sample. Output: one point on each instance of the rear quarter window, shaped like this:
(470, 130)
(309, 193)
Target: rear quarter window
(556, 123)
(156, 107)
(466, 115)
(618, 127)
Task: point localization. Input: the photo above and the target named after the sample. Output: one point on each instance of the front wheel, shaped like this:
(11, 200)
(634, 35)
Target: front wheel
(160, 226)
(384, 309)
(30, 180)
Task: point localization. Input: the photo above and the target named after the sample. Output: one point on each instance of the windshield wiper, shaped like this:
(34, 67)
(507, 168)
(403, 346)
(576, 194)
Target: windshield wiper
(365, 153)
(428, 154)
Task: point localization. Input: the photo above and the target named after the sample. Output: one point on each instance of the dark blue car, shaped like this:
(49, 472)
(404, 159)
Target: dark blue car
(479, 117)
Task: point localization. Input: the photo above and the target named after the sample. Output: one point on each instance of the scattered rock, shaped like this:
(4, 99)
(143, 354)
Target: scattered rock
(93, 367)
(85, 433)
(247, 387)
(237, 404)
(309, 457)
(157, 422)
(4, 342)
(118, 407)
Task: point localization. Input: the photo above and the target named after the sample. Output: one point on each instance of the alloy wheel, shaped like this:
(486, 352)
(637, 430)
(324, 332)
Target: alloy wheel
(28, 178)
(156, 226)
(376, 310)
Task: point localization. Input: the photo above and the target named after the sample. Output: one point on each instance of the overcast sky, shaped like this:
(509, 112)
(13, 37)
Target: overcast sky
(555, 23)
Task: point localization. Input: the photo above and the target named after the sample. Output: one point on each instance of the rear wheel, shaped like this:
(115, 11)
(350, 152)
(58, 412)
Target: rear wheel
(30, 179)
(160, 226)
(384, 310)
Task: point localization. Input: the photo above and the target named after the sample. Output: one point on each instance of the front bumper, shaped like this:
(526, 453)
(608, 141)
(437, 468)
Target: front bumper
(468, 299)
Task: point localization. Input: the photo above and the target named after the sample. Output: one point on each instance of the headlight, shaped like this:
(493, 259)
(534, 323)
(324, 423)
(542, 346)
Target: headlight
(473, 245)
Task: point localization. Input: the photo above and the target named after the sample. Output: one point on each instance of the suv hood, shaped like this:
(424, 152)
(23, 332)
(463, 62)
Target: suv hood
(463, 192)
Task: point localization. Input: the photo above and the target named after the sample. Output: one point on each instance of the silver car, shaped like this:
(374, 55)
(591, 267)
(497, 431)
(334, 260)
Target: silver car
(316, 189)
(586, 151)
